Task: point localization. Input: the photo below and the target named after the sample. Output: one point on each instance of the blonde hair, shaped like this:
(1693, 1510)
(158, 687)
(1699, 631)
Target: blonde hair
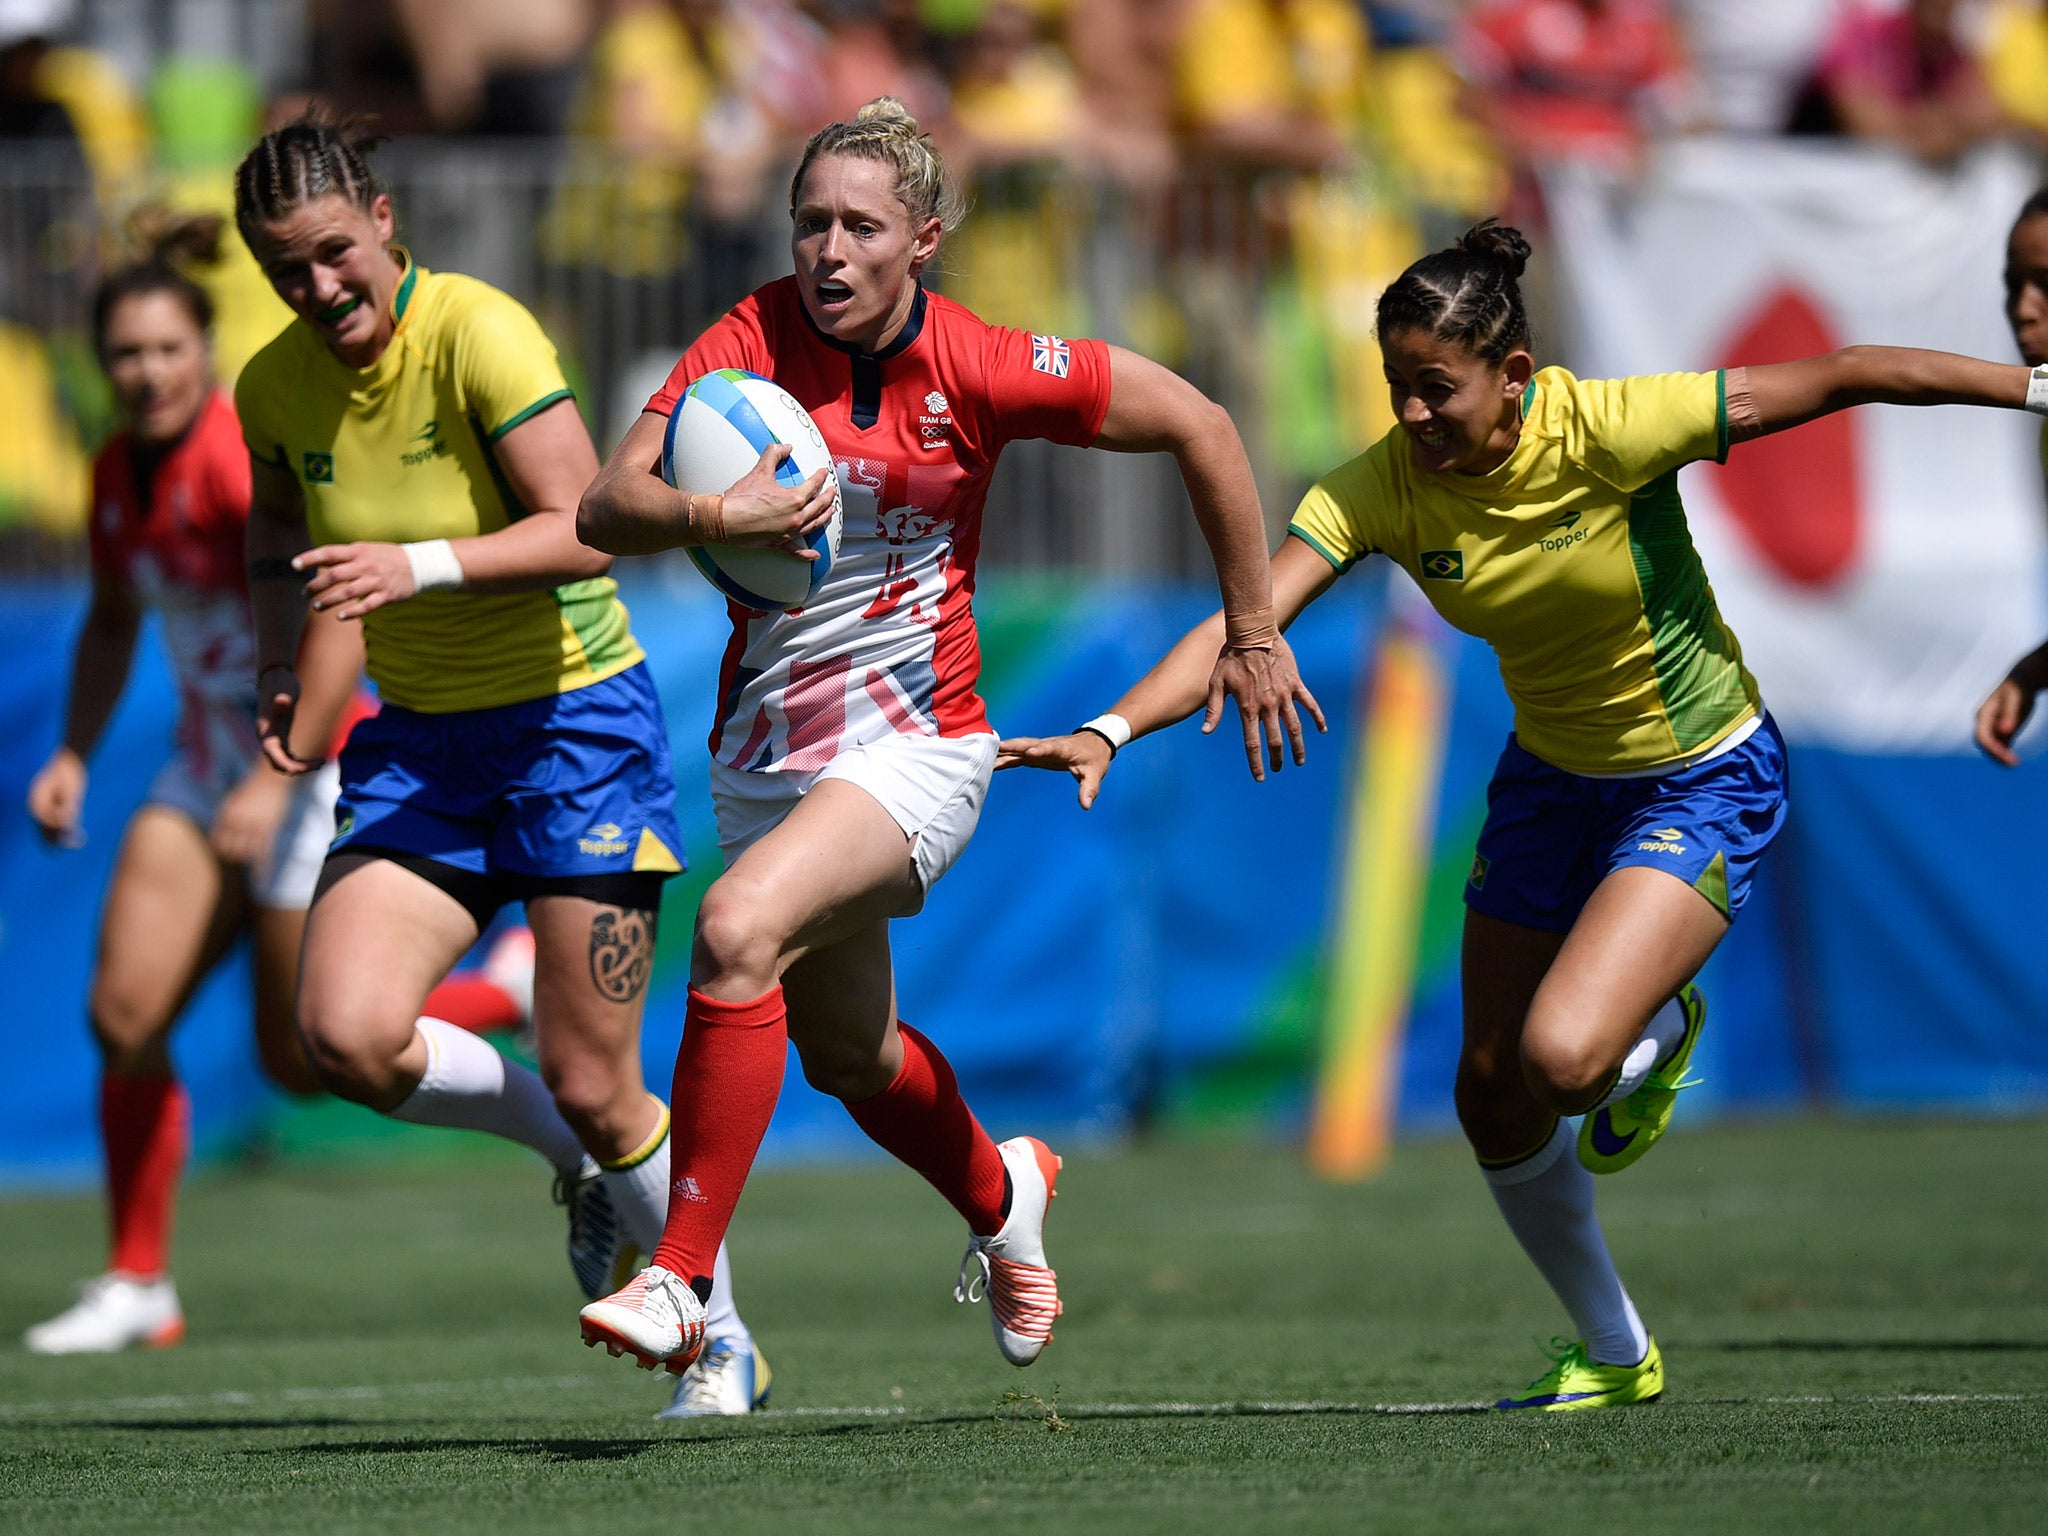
(884, 130)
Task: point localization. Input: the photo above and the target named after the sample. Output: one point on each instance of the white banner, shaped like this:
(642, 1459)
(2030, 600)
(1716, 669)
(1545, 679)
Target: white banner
(1882, 567)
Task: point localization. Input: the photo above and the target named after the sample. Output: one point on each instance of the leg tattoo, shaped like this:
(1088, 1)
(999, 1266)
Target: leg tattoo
(621, 952)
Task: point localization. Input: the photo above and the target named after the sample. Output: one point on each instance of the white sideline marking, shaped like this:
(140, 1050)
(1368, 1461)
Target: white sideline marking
(174, 1402)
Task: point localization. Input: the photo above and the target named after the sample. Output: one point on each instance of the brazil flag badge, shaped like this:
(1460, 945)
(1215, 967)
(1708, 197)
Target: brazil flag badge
(1442, 564)
(319, 468)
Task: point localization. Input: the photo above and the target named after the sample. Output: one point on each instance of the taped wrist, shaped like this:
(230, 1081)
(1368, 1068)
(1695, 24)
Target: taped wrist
(2037, 391)
(434, 565)
(1253, 630)
(704, 516)
(1112, 728)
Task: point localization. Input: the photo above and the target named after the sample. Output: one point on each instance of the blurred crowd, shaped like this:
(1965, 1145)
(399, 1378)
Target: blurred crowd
(1253, 165)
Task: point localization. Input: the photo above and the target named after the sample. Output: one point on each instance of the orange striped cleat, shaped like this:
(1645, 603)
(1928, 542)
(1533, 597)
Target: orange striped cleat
(656, 1318)
(1009, 1268)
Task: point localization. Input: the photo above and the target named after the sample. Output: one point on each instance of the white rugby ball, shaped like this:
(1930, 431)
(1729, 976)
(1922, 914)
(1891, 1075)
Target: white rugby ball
(716, 433)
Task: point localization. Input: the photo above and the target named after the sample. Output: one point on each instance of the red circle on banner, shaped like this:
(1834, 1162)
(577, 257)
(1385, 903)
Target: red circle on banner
(1796, 495)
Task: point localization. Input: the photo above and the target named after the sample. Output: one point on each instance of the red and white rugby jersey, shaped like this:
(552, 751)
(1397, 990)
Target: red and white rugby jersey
(173, 537)
(888, 645)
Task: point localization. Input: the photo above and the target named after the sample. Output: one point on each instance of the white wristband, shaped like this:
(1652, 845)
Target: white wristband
(2037, 391)
(1114, 729)
(434, 566)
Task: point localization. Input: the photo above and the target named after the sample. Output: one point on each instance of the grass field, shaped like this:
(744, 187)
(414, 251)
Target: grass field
(1855, 1319)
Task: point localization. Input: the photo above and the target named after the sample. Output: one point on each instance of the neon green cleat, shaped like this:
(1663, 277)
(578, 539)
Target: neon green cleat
(1574, 1382)
(1612, 1138)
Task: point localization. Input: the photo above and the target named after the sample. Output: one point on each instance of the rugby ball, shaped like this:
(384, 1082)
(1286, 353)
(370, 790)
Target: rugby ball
(716, 433)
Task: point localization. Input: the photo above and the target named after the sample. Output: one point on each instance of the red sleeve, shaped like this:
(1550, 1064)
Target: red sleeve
(736, 341)
(1045, 386)
(229, 478)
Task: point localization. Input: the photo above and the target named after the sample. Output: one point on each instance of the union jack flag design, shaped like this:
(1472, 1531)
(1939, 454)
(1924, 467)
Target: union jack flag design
(1049, 354)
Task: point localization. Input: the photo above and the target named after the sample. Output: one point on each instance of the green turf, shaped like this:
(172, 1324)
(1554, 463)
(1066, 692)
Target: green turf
(1855, 1319)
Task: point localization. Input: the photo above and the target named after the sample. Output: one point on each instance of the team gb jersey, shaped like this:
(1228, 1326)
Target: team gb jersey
(170, 534)
(887, 646)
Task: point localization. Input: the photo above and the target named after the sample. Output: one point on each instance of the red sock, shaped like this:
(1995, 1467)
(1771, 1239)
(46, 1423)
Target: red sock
(470, 1002)
(146, 1124)
(728, 1077)
(920, 1119)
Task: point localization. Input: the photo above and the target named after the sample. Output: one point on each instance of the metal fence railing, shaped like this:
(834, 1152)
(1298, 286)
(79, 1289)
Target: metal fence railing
(624, 271)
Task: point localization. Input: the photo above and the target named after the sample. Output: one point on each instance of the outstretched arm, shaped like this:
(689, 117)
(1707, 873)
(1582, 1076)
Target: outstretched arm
(630, 510)
(1178, 685)
(1154, 410)
(1782, 395)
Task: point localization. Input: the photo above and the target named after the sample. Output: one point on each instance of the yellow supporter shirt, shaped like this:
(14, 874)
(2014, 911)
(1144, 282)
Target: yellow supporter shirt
(402, 450)
(1572, 560)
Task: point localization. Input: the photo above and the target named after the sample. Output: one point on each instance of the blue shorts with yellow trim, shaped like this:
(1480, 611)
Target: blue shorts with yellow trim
(569, 785)
(1551, 836)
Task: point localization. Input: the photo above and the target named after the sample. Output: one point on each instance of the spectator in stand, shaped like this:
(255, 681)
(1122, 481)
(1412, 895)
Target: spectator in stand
(1752, 58)
(881, 48)
(1016, 97)
(1123, 58)
(1579, 80)
(1271, 84)
(2016, 61)
(1902, 77)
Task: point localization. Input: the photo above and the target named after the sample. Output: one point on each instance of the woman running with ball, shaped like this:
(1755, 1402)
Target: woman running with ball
(851, 754)
(417, 459)
(1643, 779)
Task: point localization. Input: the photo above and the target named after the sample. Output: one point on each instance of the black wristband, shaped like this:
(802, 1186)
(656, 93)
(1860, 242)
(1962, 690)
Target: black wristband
(1097, 731)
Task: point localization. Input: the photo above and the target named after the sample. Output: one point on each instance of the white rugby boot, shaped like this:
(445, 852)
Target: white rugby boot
(729, 1379)
(113, 1311)
(657, 1319)
(1009, 1268)
(599, 1251)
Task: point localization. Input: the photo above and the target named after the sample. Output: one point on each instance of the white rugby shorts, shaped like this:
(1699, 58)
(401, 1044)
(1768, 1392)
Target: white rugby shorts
(302, 837)
(932, 786)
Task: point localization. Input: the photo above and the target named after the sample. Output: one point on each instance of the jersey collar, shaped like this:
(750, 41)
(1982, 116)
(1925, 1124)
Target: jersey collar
(913, 327)
(401, 299)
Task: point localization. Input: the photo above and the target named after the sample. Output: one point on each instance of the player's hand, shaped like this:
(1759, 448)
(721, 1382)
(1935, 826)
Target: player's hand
(1083, 754)
(2000, 717)
(1267, 687)
(56, 798)
(351, 580)
(762, 512)
(245, 825)
(277, 702)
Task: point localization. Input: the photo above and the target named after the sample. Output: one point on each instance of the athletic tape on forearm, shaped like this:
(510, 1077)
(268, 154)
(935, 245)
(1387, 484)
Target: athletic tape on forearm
(1252, 631)
(434, 566)
(2037, 391)
(1114, 729)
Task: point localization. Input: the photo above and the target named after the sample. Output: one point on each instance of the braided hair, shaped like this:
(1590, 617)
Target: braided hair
(167, 242)
(1470, 293)
(884, 130)
(309, 158)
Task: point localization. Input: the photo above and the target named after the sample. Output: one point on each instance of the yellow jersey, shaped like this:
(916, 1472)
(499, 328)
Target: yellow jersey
(1572, 560)
(401, 451)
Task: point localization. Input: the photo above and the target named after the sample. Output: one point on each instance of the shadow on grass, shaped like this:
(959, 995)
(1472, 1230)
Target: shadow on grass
(1869, 1346)
(545, 1448)
(207, 1426)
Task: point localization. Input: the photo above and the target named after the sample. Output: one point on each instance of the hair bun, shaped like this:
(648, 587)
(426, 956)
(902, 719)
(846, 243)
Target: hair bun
(886, 109)
(162, 234)
(1498, 242)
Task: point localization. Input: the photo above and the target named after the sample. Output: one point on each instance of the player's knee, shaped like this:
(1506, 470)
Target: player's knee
(126, 1029)
(1564, 1070)
(1486, 1097)
(587, 1092)
(347, 1055)
(736, 936)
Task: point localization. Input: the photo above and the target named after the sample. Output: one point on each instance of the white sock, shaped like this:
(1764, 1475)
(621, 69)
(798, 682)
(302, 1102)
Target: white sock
(1548, 1202)
(638, 1185)
(468, 1085)
(1658, 1040)
(722, 1318)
